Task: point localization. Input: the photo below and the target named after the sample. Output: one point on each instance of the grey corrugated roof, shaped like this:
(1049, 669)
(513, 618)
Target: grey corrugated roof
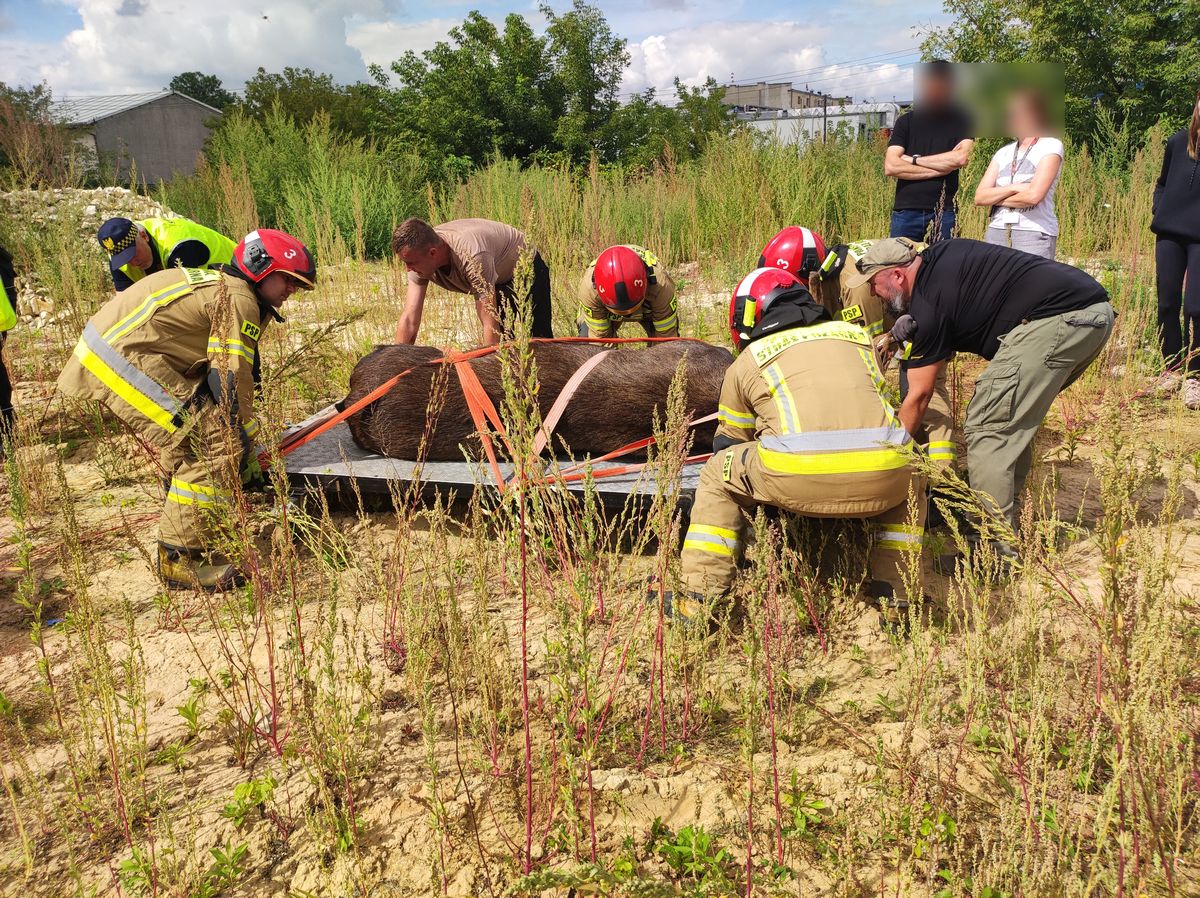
(86, 110)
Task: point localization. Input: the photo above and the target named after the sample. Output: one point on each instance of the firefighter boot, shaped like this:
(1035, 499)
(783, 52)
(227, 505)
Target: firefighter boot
(691, 609)
(893, 609)
(181, 568)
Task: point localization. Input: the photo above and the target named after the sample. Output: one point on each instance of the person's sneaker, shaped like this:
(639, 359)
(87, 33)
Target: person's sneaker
(1191, 393)
(180, 568)
(1166, 384)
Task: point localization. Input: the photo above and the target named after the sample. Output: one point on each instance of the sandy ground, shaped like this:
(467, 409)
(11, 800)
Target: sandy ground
(848, 695)
(400, 849)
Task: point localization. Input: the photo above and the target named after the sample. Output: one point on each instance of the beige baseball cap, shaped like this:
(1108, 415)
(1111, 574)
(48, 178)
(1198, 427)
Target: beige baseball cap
(894, 252)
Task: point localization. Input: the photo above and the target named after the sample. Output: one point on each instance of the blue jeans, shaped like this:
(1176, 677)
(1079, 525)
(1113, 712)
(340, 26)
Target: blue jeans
(914, 224)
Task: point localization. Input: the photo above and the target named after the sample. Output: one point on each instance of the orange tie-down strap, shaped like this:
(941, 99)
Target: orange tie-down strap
(483, 411)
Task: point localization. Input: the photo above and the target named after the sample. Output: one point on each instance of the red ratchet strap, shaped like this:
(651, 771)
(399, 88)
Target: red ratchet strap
(483, 410)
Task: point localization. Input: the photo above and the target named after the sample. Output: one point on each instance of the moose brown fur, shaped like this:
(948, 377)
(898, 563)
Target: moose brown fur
(614, 405)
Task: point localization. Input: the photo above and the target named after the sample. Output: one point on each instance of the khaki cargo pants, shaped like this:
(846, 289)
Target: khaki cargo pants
(203, 469)
(1037, 361)
(735, 482)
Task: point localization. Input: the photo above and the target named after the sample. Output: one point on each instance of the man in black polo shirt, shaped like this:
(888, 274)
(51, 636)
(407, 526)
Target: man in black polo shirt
(1040, 323)
(928, 146)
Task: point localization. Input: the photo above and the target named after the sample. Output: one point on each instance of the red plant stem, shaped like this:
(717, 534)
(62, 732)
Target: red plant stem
(812, 615)
(750, 828)
(768, 625)
(528, 859)
(656, 659)
(591, 807)
(1019, 763)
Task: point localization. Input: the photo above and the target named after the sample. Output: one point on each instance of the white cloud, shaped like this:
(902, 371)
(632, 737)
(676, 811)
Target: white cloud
(753, 51)
(381, 43)
(132, 45)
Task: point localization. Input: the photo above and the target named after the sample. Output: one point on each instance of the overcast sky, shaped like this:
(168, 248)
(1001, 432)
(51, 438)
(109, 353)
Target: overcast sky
(864, 48)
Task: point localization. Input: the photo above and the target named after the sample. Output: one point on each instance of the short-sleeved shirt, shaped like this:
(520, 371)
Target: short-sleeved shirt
(1019, 166)
(968, 294)
(927, 133)
(483, 254)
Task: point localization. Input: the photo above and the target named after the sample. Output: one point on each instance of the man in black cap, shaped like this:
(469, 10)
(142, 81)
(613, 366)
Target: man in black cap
(139, 248)
(1040, 323)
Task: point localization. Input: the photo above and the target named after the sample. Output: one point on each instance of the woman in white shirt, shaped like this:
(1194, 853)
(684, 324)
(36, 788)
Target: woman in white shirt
(1019, 183)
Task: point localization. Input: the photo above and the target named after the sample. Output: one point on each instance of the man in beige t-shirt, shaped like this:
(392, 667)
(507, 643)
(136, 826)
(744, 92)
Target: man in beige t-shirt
(474, 256)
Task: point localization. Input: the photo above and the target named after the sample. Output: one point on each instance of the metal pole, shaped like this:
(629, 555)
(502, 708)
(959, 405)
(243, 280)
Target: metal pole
(824, 116)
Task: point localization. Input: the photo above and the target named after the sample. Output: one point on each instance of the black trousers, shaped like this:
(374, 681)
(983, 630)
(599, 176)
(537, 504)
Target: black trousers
(1172, 260)
(538, 299)
(7, 415)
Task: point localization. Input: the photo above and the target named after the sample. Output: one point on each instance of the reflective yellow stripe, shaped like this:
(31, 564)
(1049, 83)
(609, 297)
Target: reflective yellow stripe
(199, 494)
(149, 306)
(250, 429)
(880, 385)
(122, 388)
(231, 347)
(726, 415)
(701, 546)
(875, 328)
(860, 461)
(943, 449)
(789, 417)
(901, 537)
(667, 324)
(724, 532)
(707, 538)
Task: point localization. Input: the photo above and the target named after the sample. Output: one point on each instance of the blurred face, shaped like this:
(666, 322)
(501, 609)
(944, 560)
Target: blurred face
(276, 287)
(143, 258)
(889, 286)
(1024, 119)
(935, 90)
(425, 261)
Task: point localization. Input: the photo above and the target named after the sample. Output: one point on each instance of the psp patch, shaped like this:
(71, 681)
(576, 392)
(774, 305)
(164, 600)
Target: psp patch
(251, 330)
(853, 313)
(727, 467)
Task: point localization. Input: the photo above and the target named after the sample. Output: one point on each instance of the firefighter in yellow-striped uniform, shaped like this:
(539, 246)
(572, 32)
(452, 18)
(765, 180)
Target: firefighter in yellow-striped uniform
(173, 357)
(830, 286)
(804, 425)
(140, 248)
(627, 283)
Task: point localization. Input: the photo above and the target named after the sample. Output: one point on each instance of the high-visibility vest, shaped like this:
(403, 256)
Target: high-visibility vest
(168, 233)
(8, 310)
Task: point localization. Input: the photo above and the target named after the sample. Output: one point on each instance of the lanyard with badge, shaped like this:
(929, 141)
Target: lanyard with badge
(1009, 216)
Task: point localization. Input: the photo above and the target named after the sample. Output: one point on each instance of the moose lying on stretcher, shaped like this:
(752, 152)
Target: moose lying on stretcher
(613, 406)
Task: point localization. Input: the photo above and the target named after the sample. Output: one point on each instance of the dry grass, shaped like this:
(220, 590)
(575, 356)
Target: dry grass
(476, 699)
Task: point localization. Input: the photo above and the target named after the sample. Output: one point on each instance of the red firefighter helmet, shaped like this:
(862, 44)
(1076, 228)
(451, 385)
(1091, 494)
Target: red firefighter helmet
(753, 296)
(794, 249)
(265, 251)
(620, 279)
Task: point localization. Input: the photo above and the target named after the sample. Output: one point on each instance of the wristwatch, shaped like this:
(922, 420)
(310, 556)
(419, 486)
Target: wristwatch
(915, 157)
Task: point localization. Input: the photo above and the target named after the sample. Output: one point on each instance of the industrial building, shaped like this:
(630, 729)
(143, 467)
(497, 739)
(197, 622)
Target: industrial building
(158, 135)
